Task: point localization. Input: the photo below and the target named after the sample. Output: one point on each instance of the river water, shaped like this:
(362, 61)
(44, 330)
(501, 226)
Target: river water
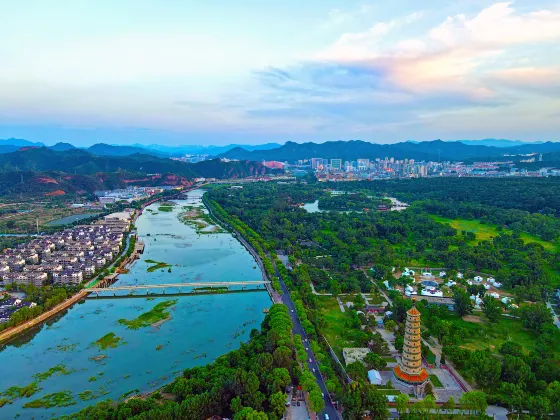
(201, 328)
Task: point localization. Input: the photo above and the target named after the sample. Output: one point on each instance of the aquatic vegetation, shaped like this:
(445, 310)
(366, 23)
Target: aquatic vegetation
(4, 401)
(26, 391)
(98, 358)
(200, 356)
(157, 313)
(86, 395)
(109, 340)
(56, 399)
(199, 220)
(66, 347)
(165, 208)
(156, 265)
(92, 379)
(159, 347)
(58, 369)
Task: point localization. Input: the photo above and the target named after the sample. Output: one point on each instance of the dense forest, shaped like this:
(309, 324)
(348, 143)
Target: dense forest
(332, 250)
(342, 243)
(533, 195)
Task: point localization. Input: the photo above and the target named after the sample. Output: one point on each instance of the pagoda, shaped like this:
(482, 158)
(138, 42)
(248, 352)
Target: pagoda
(409, 372)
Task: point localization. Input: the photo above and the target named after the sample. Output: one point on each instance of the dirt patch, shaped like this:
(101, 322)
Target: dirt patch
(472, 318)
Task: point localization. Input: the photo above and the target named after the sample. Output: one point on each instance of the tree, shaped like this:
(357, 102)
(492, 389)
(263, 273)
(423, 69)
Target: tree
(429, 389)
(515, 370)
(235, 404)
(316, 401)
(474, 401)
(374, 361)
(462, 302)
(486, 369)
(279, 379)
(512, 348)
(492, 308)
(449, 404)
(359, 302)
(357, 371)
(282, 357)
(376, 403)
(277, 404)
(248, 413)
(390, 325)
(534, 317)
(402, 402)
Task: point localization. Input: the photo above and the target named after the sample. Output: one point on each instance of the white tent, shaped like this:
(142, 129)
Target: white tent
(374, 377)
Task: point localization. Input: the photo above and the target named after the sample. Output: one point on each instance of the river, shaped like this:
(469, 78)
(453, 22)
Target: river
(200, 329)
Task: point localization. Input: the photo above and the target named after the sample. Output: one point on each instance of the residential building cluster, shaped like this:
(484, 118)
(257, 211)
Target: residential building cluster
(9, 304)
(129, 194)
(389, 168)
(67, 257)
(192, 158)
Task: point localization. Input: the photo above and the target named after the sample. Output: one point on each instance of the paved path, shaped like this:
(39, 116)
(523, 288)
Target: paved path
(556, 321)
(340, 304)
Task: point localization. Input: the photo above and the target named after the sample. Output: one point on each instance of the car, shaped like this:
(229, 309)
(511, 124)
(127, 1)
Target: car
(307, 349)
(310, 361)
(313, 370)
(292, 311)
(326, 417)
(323, 394)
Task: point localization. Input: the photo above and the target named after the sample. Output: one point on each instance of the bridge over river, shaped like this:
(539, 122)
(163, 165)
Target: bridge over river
(178, 288)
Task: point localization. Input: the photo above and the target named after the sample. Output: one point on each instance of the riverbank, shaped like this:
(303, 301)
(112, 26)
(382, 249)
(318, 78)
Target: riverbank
(18, 329)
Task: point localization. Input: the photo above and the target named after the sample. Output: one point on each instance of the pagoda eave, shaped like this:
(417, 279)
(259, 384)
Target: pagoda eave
(411, 379)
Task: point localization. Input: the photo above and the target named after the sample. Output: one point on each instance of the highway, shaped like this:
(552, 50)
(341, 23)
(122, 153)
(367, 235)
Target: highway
(298, 329)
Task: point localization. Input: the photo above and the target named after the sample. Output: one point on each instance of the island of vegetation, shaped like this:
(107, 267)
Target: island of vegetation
(109, 340)
(156, 265)
(156, 314)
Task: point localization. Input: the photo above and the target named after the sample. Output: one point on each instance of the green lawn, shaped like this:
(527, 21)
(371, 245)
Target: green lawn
(495, 335)
(336, 331)
(486, 232)
(435, 381)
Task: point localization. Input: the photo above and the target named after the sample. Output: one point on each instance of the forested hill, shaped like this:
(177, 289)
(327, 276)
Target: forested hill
(356, 149)
(81, 162)
(41, 171)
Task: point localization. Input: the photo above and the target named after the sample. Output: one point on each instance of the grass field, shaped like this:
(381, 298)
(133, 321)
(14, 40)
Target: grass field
(486, 232)
(336, 330)
(507, 329)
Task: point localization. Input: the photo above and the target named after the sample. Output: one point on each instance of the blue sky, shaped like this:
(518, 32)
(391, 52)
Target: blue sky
(192, 72)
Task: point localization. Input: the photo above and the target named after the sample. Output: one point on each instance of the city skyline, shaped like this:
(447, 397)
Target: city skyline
(191, 73)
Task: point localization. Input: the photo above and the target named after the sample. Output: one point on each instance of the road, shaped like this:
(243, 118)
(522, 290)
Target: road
(298, 329)
(554, 316)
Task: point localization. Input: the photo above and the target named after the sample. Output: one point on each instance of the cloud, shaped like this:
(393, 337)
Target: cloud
(338, 17)
(457, 68)
(499, 26)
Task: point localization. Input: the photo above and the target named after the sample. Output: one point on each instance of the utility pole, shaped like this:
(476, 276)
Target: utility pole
(37, 226)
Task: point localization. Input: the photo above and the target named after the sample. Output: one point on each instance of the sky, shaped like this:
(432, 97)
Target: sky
(256, 71)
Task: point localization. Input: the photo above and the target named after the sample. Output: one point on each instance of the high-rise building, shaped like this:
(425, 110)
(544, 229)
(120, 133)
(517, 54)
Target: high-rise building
(363, 164)
(336, 164)
(316, 162)
(409, 372)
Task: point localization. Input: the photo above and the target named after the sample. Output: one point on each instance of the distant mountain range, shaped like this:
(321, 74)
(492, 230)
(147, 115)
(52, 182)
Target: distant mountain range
(351, 150)
(497, 142)
(102, 149)
(460, 150)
